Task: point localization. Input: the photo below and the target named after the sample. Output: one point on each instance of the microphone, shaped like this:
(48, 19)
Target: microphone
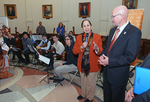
(87, 34)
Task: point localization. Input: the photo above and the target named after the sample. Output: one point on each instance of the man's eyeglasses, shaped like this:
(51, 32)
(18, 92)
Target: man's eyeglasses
(115, 15)
(67, 39)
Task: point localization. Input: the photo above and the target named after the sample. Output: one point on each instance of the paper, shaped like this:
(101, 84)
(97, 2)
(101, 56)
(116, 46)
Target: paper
(4, 46)
(36, 50)
(44, 59)
(14, 49)
(37, 37)
(30, 47)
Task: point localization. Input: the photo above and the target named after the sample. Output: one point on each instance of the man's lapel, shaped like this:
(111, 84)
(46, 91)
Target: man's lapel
(122, 36)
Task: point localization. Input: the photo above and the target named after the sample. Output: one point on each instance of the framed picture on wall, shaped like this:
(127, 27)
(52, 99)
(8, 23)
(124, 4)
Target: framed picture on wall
(84, 9)
(47, 11)
(130, 4)
(10, 10)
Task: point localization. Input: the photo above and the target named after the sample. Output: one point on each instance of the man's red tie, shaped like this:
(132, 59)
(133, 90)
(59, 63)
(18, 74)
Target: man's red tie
(113, 41)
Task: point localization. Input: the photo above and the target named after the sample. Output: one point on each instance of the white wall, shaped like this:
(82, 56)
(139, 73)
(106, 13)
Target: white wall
(29, 13)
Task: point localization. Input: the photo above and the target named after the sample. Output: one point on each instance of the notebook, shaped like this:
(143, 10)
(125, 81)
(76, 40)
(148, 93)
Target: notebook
(141, 80)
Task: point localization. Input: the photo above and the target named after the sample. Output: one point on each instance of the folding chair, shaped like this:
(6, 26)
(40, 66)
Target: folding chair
(71, 79)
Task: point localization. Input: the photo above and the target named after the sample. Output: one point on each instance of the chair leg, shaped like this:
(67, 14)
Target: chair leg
(73, 77)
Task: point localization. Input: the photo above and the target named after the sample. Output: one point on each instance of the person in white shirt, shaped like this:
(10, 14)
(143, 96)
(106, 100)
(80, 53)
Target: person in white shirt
(31, 37)
(44, 44)
(59, 48)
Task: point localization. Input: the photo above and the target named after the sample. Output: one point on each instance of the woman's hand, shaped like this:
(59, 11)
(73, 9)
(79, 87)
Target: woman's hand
(0, 43)
(84, 45)
(95, 47)
(60, 63)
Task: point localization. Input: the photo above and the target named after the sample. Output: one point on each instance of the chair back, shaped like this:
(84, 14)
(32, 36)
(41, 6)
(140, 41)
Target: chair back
(73, 30)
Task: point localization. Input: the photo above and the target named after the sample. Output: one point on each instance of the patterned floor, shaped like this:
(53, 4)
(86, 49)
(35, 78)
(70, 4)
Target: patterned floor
(24, 86)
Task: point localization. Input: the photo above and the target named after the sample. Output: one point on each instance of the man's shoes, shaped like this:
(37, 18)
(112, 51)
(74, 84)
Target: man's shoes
(27, 62)
(35, 63)
(56, 79)
(87, 100)
(80, 97)
(13, 58)
(41, 63)
(21, 61)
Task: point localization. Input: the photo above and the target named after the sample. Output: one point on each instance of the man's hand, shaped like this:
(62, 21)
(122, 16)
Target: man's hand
(130, 95)
(103, 60)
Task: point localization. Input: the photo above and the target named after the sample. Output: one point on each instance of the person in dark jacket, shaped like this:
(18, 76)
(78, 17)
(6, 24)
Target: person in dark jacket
(26, 51)
(71, 63)
(144, 97)
(12, 43)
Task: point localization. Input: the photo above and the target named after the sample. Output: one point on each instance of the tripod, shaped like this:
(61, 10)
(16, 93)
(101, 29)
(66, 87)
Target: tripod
(44, 77)
(46, 61)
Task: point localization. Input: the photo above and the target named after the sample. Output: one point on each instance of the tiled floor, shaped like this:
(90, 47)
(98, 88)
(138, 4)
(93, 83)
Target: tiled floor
(24, 86)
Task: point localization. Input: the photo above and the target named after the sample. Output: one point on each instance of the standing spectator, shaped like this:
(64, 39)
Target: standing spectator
(40, 29)
(60, 31)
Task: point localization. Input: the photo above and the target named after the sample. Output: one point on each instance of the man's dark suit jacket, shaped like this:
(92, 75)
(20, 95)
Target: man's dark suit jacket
(82, 12)
(12, 42)
(123, 52)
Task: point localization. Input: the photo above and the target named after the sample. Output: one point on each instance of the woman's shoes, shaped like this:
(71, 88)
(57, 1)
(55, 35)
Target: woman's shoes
(81, 97)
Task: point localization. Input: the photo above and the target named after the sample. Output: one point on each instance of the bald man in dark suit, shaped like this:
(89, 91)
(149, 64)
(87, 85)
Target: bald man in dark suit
(118, 54)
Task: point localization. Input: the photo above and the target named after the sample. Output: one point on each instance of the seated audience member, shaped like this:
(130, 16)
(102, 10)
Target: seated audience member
(40, 29)
(31, 37)
(144, 97)
(12, 43)
(69, 65)
(18, 36)
(44, 44)
(59, 48)
(71, 33)
(4, 60)
(5, 30)
(26, 51)
(3, 38)
(60, 31)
